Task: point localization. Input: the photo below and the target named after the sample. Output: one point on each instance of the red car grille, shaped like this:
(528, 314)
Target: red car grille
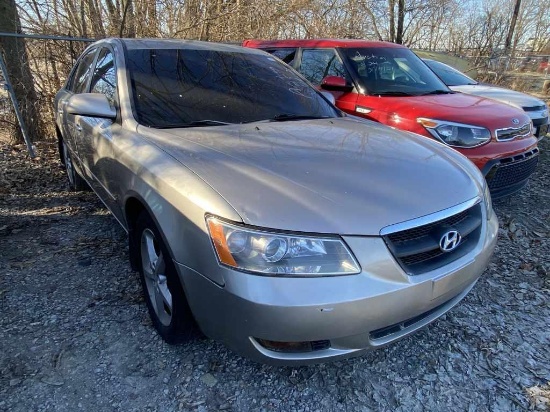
(513, 132)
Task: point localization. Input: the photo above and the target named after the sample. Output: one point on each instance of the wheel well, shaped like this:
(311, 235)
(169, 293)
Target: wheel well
(132, 210)
(59, 144)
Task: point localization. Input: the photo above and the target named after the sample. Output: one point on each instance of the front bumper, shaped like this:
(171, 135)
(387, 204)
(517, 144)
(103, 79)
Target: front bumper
(353, 313)
(503, 164)
(509, 175)
(541, 127)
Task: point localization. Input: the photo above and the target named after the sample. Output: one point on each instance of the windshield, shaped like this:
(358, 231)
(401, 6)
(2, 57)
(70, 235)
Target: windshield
(392, 72)
(182, 87)
(449, 75)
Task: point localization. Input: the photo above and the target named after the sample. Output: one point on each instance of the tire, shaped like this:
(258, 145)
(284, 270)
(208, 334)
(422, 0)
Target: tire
(76, 182)
(162, 289)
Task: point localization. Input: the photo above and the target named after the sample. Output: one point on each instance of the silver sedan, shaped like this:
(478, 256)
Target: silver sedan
(259, 214)
(535, 108)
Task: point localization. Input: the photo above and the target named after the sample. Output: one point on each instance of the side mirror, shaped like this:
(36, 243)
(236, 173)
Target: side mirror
(329, 97)
(335, 83)
(92, 105)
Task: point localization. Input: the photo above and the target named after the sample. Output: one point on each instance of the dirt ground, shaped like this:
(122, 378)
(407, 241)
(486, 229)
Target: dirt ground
(75, 334)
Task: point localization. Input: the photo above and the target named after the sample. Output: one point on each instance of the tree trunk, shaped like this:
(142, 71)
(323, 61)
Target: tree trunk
(19, 72)
(391, 4)
(400, 21)
(508, 42)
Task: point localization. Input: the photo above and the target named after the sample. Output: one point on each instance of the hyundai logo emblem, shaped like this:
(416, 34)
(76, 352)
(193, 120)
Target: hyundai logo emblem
(515, 121)
(449, 241)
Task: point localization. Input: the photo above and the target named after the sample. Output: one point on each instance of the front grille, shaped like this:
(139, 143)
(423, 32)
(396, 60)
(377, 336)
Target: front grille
(512, 171)
(417, 250)
(420, 231)
(513, 132)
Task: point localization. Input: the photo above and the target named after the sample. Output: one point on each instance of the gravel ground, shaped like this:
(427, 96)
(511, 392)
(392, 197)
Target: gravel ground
(75, 334)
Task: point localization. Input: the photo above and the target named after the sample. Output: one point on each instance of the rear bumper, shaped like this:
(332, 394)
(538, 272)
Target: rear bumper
(353, 313)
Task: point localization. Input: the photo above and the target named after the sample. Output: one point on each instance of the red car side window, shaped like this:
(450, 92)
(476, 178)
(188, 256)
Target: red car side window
(319, 63)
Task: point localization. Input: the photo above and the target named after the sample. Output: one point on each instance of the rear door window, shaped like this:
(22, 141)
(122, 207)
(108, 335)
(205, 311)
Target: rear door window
(286, 55)
(316, 64)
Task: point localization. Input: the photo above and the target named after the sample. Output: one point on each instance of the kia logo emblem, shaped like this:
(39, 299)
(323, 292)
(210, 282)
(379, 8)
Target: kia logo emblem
(515, 121)
(449, 241)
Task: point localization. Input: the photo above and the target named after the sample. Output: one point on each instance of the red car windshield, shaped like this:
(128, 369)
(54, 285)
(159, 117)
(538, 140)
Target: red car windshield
(392, 72)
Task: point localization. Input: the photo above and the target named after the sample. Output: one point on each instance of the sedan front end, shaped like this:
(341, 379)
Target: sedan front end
(406, 281)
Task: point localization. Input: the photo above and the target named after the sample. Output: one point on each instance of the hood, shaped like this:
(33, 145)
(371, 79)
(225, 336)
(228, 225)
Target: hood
(324, 176)
(457, 107)
(507, 96)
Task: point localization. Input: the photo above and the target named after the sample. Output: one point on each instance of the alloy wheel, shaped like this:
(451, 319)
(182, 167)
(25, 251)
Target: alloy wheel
(154, 270)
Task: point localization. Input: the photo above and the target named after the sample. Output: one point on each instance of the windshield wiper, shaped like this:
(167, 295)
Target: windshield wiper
(288, 116)
(395, 93)
(195, 123)
(437, 92)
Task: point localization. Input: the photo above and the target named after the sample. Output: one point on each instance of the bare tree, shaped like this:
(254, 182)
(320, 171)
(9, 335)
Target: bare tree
(508, 42)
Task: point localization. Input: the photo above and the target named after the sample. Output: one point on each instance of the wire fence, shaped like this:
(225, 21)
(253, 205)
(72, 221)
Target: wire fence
(525, 72)
(531, 64)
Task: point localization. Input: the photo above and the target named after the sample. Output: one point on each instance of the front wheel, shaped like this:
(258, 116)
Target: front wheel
(166, 301)
(76, 182)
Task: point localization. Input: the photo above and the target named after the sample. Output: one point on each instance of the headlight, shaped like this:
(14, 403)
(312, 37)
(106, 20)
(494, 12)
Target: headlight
(456, 134)
(488, 202)
(271, 253)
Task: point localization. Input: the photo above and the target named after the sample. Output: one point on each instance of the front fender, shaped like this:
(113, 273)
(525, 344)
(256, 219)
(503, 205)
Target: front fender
(177, 200)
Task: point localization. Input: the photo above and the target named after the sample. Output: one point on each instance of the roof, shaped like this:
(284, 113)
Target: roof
(344, 43)
(138, 44)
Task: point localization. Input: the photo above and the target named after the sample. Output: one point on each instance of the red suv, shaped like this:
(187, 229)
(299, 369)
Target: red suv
(388, 83)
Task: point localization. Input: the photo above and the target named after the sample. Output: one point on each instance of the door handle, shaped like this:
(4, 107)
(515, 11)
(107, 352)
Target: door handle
(78, 128)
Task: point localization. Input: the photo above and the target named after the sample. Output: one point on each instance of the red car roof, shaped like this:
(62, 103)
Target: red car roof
(345, 43)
